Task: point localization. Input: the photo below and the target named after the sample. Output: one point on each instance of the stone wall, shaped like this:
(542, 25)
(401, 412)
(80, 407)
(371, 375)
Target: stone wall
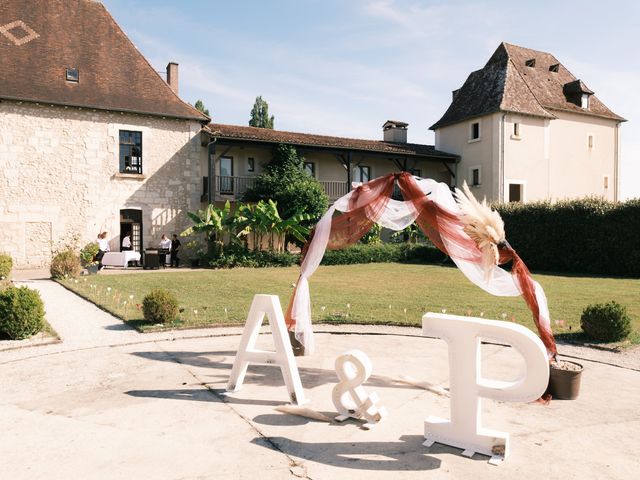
(60, 180)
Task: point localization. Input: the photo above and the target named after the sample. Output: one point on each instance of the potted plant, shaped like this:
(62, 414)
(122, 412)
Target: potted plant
(197, 251)
(88, 257)
(564, 379)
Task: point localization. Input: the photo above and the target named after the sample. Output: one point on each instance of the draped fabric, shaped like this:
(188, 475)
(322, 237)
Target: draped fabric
(432, 207)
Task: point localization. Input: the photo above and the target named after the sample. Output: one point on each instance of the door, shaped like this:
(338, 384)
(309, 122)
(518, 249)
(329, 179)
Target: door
(226, 175)
(131, 222)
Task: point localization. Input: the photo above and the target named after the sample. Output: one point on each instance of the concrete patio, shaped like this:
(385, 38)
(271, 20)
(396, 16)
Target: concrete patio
(108, 402)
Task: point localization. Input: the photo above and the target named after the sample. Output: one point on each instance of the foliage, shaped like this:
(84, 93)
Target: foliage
(6, 264)
(213, 222)
(238, 256)
(21, 312)
(196, 248)
(606, 322)
(160, 306)
(372, 236)
(200, 107)
(587, 236)
(65, 264)
(262, 220)
(285, 182)
(88, 254)
(411, 234)
(383, 253)
(260, 114)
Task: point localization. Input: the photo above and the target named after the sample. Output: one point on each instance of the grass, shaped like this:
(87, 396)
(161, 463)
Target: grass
(391, 294)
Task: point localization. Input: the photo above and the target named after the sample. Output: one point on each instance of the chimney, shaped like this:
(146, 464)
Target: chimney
(172, 76)
(394, 131)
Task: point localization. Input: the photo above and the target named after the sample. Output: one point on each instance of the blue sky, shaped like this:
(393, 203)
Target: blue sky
(344, 67)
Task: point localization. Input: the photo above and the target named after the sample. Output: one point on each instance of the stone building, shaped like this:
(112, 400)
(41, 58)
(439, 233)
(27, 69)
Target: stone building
(91, 137)
(527, 129)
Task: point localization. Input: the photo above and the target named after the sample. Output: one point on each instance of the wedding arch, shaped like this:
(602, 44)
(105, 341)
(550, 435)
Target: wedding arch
(469, 232)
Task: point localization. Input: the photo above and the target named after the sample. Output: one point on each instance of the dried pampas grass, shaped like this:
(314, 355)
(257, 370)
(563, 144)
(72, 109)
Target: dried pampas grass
(483, 225)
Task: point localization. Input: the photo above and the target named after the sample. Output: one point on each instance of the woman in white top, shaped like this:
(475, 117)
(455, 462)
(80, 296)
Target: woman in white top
(165, 245)
(165, 242)
(103, 247)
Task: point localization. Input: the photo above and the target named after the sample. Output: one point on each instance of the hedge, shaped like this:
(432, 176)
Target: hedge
(588, 236)
(384, 252)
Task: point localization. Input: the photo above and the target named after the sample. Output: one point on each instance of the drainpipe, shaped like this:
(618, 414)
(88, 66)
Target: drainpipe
(501, 162)
(348, 172)
(211, 158)
(616, 165)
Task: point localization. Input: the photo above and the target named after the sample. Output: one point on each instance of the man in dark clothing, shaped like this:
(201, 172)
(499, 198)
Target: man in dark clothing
(175, 246)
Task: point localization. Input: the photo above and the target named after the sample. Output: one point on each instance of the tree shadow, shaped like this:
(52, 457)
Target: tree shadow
(406, 455)
(266, 375)
(215, 395)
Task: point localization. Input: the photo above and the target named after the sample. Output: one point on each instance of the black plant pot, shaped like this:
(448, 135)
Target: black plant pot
(565, 384)
(298, 348)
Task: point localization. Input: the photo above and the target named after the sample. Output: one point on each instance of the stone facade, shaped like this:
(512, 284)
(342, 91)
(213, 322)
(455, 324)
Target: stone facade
(60, 179)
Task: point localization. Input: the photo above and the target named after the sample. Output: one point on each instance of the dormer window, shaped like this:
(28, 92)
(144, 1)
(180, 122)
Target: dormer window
(584, 101)
(530, 63)
(554, 68)
(72, 75)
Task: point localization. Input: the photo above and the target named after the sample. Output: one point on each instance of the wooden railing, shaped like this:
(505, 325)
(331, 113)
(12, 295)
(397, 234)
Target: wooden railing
(234, 187)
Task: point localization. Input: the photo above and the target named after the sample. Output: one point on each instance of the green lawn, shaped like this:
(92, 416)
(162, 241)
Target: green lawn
(372, 293)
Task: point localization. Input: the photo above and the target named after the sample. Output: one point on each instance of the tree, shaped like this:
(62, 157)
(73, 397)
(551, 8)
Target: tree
(200, 106)
(285, 182)
(260, 114)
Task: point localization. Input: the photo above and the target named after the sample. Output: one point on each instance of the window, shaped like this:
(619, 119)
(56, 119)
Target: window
(474, 131)
(584, 101)
(226, 175)
(516, 129)
(363, 174)
(72, 75)
(309, 168)
(554, 68)
(130, 152)
(251, 164)
(606, 181)
(416, 172)
(475, 176)
(590, 141)
(515, 192)
(530, 63)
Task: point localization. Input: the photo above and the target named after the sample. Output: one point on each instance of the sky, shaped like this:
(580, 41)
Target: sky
(344, 67)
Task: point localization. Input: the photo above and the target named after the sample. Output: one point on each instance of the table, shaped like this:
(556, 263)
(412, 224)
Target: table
(120, 259)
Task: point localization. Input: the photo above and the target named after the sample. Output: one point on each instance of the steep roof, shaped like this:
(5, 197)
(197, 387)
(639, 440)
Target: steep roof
(39, 39)
(507, 84)
(265, 135)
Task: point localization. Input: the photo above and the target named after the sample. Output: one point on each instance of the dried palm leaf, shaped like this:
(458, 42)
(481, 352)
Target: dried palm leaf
(303, 412)
(483, 225)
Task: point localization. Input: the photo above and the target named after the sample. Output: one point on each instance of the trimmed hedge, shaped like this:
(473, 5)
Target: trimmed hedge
(384, 253)
(591, 236)
(21, 312)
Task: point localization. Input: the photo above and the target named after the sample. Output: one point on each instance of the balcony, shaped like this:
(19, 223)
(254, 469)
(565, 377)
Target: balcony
(233, 188)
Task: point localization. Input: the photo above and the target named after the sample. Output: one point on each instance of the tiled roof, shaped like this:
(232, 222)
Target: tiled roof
(39, 39)
(265, 135)
(507, 84)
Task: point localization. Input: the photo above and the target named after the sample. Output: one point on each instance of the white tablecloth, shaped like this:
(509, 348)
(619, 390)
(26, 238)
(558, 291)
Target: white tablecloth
(120, 259)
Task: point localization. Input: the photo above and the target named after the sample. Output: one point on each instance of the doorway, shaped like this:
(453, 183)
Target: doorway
(131, 223)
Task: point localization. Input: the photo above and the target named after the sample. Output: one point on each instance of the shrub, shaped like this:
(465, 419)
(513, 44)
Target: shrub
(6, 264)
(160, 306)
(384, 253)
(65, 264)
(238, 256)
(88, 253)
(21, 312)
(606, 322)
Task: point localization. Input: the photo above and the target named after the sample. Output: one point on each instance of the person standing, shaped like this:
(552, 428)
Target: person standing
(103, 247)
(175, 246)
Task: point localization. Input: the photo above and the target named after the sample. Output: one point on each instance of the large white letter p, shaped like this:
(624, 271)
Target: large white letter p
(467, 386)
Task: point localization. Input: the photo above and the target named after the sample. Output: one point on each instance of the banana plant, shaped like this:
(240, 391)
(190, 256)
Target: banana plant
(213, 222)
